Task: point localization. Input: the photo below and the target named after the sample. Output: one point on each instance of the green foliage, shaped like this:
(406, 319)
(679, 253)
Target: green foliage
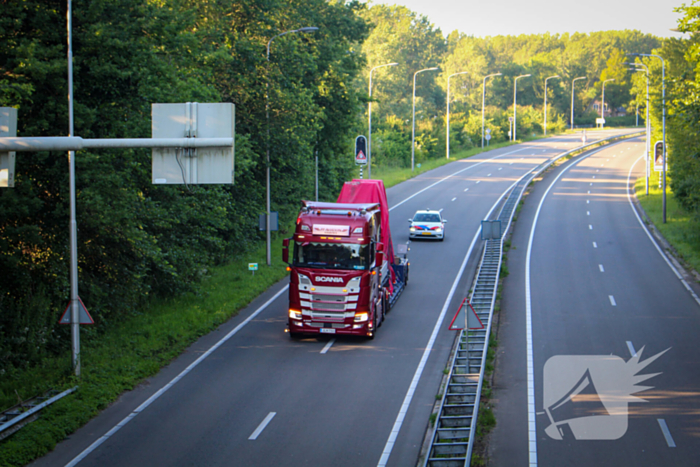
(133, 349)
(137, 240)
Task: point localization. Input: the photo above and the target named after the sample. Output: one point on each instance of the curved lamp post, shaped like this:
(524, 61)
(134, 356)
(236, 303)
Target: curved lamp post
(448, 109)
(663, 120)
(648, 124)
(413, 133)
(545, 101)
(369, 138)
(267, 117)
(602, 105)
(483, 101)
(572, 99)
(515, 105)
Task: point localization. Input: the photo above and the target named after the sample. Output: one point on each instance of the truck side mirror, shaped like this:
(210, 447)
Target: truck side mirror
(380, 246)
(410, 220)
(379, 258)
(285, 250)
(444, 221)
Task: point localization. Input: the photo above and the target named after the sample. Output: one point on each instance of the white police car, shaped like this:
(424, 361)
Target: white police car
(427, 224)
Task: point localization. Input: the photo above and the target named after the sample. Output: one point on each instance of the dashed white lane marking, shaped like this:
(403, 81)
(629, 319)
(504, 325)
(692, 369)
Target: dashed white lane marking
(588, 213)
(591, 183)
(478, 181)
(589, 191)
(328, 346)
(631, 349)
(667, 434)
(454, 198)
(500, 168)
(165, 388)
(588, 201)
(400, 417)
(607, 160)
(597, 170)
(590, 227)
(466, 189)
(510, 163)
(594, 176)
(612, 300)
(488, 175)
(529, 358)
(600, 266)
(595, 245)
(262, 425)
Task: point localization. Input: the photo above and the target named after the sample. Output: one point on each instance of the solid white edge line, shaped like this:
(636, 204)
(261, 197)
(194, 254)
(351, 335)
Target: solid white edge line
(162, 390)
(328, 345)
(666, 432)
(651, 238)
(452, 175)
(630, 347)
(532, 428)
(165, 388)
(262, 425)
(389, 446)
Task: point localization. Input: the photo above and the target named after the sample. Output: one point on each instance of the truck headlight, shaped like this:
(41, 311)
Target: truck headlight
(361, 317)
(294, 314)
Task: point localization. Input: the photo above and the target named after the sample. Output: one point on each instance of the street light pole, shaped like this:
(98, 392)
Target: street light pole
(73, 227)
(448, 110)
(602, 104)
(647, 122)
(483, 102)
(413, 132)
(572, 99)
(267, 158)
(663, 123)
(545, 102)
(369, 139)
(515, 105)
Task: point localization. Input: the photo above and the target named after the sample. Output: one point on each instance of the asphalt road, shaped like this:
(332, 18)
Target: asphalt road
(600, 291)
(262, 399)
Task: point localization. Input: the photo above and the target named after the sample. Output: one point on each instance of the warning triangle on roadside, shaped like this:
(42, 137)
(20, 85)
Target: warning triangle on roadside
(84, 316)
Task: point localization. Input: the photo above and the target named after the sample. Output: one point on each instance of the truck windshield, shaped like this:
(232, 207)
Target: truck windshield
(331, 255)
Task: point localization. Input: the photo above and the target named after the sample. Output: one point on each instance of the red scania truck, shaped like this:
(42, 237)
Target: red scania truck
(344, 274)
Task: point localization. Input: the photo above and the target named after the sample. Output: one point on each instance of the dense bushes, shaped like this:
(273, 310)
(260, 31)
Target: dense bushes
(136, 240)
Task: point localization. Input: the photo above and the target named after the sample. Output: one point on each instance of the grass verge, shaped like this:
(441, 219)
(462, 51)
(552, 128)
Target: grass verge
(131, 351)
(681, 229)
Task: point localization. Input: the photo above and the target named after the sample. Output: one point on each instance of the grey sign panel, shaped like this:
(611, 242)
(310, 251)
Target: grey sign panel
(178, 166)
(8, 128)
(490, 230)
(274, 221)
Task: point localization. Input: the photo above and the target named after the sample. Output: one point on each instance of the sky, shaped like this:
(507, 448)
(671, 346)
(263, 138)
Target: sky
(483, 18)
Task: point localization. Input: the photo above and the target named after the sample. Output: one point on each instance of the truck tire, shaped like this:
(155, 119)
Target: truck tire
(385, 304)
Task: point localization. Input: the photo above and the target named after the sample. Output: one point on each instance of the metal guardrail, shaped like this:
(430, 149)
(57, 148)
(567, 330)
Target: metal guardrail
(11, 419)
(453, 437)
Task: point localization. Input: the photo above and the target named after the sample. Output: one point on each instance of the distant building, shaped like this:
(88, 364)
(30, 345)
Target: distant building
(615, 112)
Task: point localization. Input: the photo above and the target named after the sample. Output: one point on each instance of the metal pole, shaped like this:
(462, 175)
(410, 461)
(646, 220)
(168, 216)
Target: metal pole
(267, 158)
(602, 104)
(74, 300)
(572, 99)
(515, 106)
(369, 139)
(663, 123)
(316, 175)
(413, 132)
(447, 136)
(647, 123)
(545, 102)
(483, 102)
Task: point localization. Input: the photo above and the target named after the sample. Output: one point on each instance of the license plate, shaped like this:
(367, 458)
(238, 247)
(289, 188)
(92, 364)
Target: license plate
(327, 331)
(427, 233)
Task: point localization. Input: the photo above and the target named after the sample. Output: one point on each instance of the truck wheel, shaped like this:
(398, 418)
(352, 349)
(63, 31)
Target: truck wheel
(374, 326)
(385, 305)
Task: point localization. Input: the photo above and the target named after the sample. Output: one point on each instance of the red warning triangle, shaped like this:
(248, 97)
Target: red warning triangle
(361, 156)
(85, 317)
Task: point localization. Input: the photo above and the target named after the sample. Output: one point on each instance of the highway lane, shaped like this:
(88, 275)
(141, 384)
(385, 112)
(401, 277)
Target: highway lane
(323, 405)
(599, 287)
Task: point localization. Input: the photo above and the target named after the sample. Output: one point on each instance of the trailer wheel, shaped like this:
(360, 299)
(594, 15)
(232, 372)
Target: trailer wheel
(385, 304)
